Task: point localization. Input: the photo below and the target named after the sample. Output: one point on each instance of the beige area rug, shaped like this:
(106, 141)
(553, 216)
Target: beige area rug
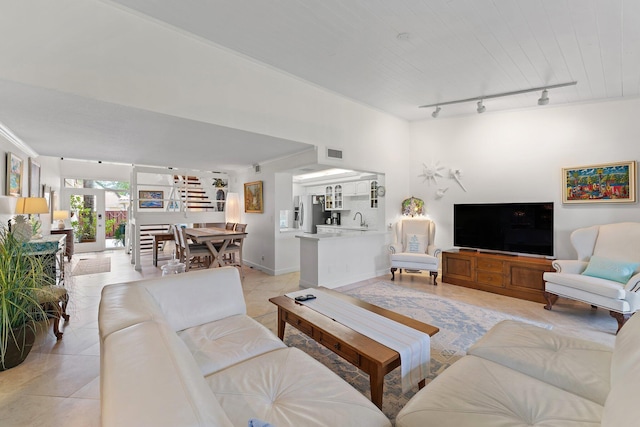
(92, 266)
(460, 326)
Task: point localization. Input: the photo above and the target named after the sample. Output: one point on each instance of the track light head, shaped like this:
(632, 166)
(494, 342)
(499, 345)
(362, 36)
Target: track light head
(436, 112)
(544, 99)
(481, 108)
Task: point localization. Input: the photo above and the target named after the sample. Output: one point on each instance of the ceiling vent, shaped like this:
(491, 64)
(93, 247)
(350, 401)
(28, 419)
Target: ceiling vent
(332, 153)
(256, 168)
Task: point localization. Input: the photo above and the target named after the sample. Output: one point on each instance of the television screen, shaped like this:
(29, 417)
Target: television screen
(521, 228)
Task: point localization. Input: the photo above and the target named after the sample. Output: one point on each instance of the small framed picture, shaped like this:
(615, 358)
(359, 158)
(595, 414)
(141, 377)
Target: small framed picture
(253, 202)
(150, 199)
(14, 175)
(604, 183)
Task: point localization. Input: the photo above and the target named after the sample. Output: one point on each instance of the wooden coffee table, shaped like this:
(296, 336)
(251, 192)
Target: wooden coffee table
(361, 351)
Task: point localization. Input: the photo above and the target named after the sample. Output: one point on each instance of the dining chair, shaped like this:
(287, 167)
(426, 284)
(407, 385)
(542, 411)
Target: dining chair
(230, 226)
(176, 237)
(234, 249)
(193, 252)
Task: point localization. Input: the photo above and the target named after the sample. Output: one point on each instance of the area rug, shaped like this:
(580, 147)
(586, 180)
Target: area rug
(92, 266)
(460, 326)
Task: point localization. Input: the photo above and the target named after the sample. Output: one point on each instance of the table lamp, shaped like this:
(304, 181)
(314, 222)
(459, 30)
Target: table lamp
(232, 210)
(60, 216)
(29, 206)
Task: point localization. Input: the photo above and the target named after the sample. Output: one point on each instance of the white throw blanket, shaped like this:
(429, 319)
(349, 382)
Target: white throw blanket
(413, 345)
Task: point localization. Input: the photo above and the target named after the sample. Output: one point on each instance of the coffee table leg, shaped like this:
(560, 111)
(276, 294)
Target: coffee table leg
(376, 378)
(281, 323)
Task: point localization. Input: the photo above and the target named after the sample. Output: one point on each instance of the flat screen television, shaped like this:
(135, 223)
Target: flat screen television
(514, 228)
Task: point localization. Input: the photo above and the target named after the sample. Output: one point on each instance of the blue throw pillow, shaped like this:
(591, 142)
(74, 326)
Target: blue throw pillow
(618, 271)
(254, 422)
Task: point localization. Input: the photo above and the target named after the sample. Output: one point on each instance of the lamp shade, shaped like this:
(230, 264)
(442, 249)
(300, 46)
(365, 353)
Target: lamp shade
(60, 215)
(232, 210)
(412, 206)
(31, 205)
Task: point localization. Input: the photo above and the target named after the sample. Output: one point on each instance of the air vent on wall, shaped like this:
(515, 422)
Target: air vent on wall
(256, 168)
(332, 153)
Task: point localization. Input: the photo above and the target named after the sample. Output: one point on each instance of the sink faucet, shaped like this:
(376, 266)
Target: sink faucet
(361, 219)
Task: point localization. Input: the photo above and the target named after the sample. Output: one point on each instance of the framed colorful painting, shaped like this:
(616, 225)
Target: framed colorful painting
(253, 202)
(604, 183)
(14, 175)
(150, 199)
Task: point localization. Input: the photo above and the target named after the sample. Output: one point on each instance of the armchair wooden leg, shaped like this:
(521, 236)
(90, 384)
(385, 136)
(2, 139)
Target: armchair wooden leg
(621, 318)
(435, 277)
(393, 273)
(551, 299)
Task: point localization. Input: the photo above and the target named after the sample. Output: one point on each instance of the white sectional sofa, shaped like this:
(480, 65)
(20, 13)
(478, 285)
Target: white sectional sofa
(522, 375)
(181, 351)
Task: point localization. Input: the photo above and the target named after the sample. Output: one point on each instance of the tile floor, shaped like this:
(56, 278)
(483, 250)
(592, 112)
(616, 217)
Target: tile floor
(59, 382)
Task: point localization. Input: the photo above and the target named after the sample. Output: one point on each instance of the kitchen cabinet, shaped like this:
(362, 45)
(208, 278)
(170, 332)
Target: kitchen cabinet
(328, 198)
(333, 197)
(349, 189)
(373, 194)
(361, 188)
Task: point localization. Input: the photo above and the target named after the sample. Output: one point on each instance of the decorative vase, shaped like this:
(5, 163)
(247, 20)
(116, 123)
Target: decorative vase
(17, 350)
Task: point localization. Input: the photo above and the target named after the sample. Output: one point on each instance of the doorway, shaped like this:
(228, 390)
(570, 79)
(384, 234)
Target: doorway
(87, 210)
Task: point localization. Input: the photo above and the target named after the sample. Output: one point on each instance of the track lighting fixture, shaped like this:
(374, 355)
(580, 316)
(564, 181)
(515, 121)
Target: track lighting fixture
(544, 99)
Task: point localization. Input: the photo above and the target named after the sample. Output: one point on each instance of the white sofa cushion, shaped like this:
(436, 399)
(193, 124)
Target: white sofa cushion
(199, 289)
(594, 285)
(289, 388)
(480, 393)
(225, 342)
(124, 305)
(621, 408)
(150, 356)
(577, 366)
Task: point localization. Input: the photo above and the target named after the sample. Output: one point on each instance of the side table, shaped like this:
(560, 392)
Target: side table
(69, 233)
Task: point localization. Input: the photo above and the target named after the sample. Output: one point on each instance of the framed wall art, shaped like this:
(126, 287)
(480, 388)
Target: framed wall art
(150, 199)
(253, 202)
(14, 175)
(34, 179)
(604, 183)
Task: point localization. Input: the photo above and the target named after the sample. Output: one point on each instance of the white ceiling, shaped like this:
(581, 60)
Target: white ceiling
(451, 49)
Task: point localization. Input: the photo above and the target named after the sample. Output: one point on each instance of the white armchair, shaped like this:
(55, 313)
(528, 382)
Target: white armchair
(414, 248)
(606, 273)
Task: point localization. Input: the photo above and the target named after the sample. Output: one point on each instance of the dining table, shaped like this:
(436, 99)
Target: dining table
(216, 239)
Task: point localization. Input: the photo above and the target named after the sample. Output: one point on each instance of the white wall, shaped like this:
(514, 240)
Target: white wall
(518, 156)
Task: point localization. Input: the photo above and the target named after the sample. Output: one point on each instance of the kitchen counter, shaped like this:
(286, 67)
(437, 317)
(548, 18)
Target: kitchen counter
(341, 234)
(331, 228)
(344, 257)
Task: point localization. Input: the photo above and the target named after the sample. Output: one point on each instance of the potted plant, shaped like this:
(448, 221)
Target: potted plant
(21, 276)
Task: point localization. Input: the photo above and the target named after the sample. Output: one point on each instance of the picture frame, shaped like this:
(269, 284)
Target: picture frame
(150, 199)
(34, 179)
(602, 183)
(253, 201)
(14, 175)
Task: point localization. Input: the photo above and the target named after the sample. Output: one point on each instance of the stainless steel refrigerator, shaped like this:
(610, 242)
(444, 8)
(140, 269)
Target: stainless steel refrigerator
(310, 214)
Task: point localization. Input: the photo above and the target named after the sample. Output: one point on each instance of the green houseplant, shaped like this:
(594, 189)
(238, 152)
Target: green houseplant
(21, 275)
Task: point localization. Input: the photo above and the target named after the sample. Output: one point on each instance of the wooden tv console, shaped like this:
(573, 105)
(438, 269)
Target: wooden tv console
(510, 275)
